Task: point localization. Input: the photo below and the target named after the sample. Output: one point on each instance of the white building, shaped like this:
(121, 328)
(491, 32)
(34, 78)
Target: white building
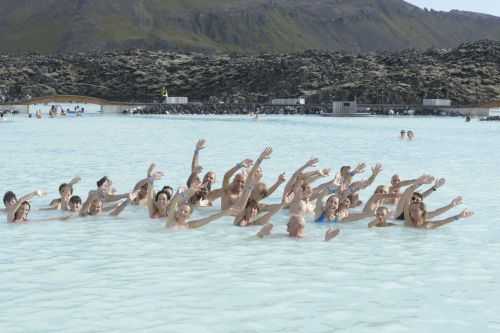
(436, 102)
(289, 101)
(345, 107)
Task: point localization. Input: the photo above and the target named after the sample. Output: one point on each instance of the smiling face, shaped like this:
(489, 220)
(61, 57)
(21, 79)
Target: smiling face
(332, 204)
(417, 213)
(381, 214)
(95, 207)
(395, 180)
(183, 213)
(162, 200)
(239, 182)
(209, 178)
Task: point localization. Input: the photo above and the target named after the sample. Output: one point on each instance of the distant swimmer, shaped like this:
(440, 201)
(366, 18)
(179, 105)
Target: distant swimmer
(402, 134)
(410, 135)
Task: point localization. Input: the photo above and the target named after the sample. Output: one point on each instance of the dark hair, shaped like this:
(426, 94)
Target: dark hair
(8, 196)
(160, 193)
(22, 204)
(101, 181)
(75, 199)
(418, 194)
(169, 191)
(63, 185)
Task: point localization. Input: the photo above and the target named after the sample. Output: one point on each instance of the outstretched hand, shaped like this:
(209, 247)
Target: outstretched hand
(266, 153)
(157, 175)
(465, 214)
(425, 179)
(246, 163)
(201, 144)
(457, 201)
(287, 199)
(360, 168)
(132, 195)
(312, 162)
(439, 182)
(377, 169)
(40, 193)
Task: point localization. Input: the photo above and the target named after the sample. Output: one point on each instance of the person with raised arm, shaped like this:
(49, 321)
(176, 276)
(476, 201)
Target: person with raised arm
(296, 224)
(302, 203)
(142, 187)
(203, 197)
(261, 191)
(105, 192)
(65, 192)
(395, 188)
(157, 203)
(416, 217)
(362, 184)
(94, 206)
(232, 190)
(18, 211)
(410, 195)
(9, 200)
(250, 207)
(179, 212)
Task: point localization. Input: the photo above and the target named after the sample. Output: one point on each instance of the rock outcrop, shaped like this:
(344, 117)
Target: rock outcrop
(468, 74)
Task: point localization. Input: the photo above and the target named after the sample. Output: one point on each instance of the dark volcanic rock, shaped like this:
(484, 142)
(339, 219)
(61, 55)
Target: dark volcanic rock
(468, 74)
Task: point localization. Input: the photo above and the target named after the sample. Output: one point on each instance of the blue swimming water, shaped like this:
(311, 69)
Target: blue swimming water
(130, 275)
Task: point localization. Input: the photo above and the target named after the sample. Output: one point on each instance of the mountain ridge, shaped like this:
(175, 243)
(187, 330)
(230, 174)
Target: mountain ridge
(222, 26)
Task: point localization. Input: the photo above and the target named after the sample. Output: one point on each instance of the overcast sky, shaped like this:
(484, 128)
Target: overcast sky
(480, 6)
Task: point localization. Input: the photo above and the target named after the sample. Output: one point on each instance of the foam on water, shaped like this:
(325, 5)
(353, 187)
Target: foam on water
(131, 275)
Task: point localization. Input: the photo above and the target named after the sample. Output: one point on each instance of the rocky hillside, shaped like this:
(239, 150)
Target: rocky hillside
(467, 74)
(248, 26)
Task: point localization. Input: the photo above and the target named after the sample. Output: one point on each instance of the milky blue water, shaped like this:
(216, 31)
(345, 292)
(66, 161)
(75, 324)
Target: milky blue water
(129, 274)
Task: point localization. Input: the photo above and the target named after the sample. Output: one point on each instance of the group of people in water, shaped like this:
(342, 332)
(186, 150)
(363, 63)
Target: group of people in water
(56, 111)
(310, 195)
(409, 134)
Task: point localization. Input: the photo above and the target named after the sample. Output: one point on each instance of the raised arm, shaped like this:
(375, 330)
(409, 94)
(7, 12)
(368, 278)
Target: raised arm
(201, 222)
(273, 209)
(12, 211)
(121, 206)
(440, 182)
(406, 196)
(74, 181)
(179, 197)
(228, 175)
(281, 179)
(436, 224)
(454, 203)
(84, 210)
(201, 144)
(360, 185)
(291, 183)
(251, 180)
